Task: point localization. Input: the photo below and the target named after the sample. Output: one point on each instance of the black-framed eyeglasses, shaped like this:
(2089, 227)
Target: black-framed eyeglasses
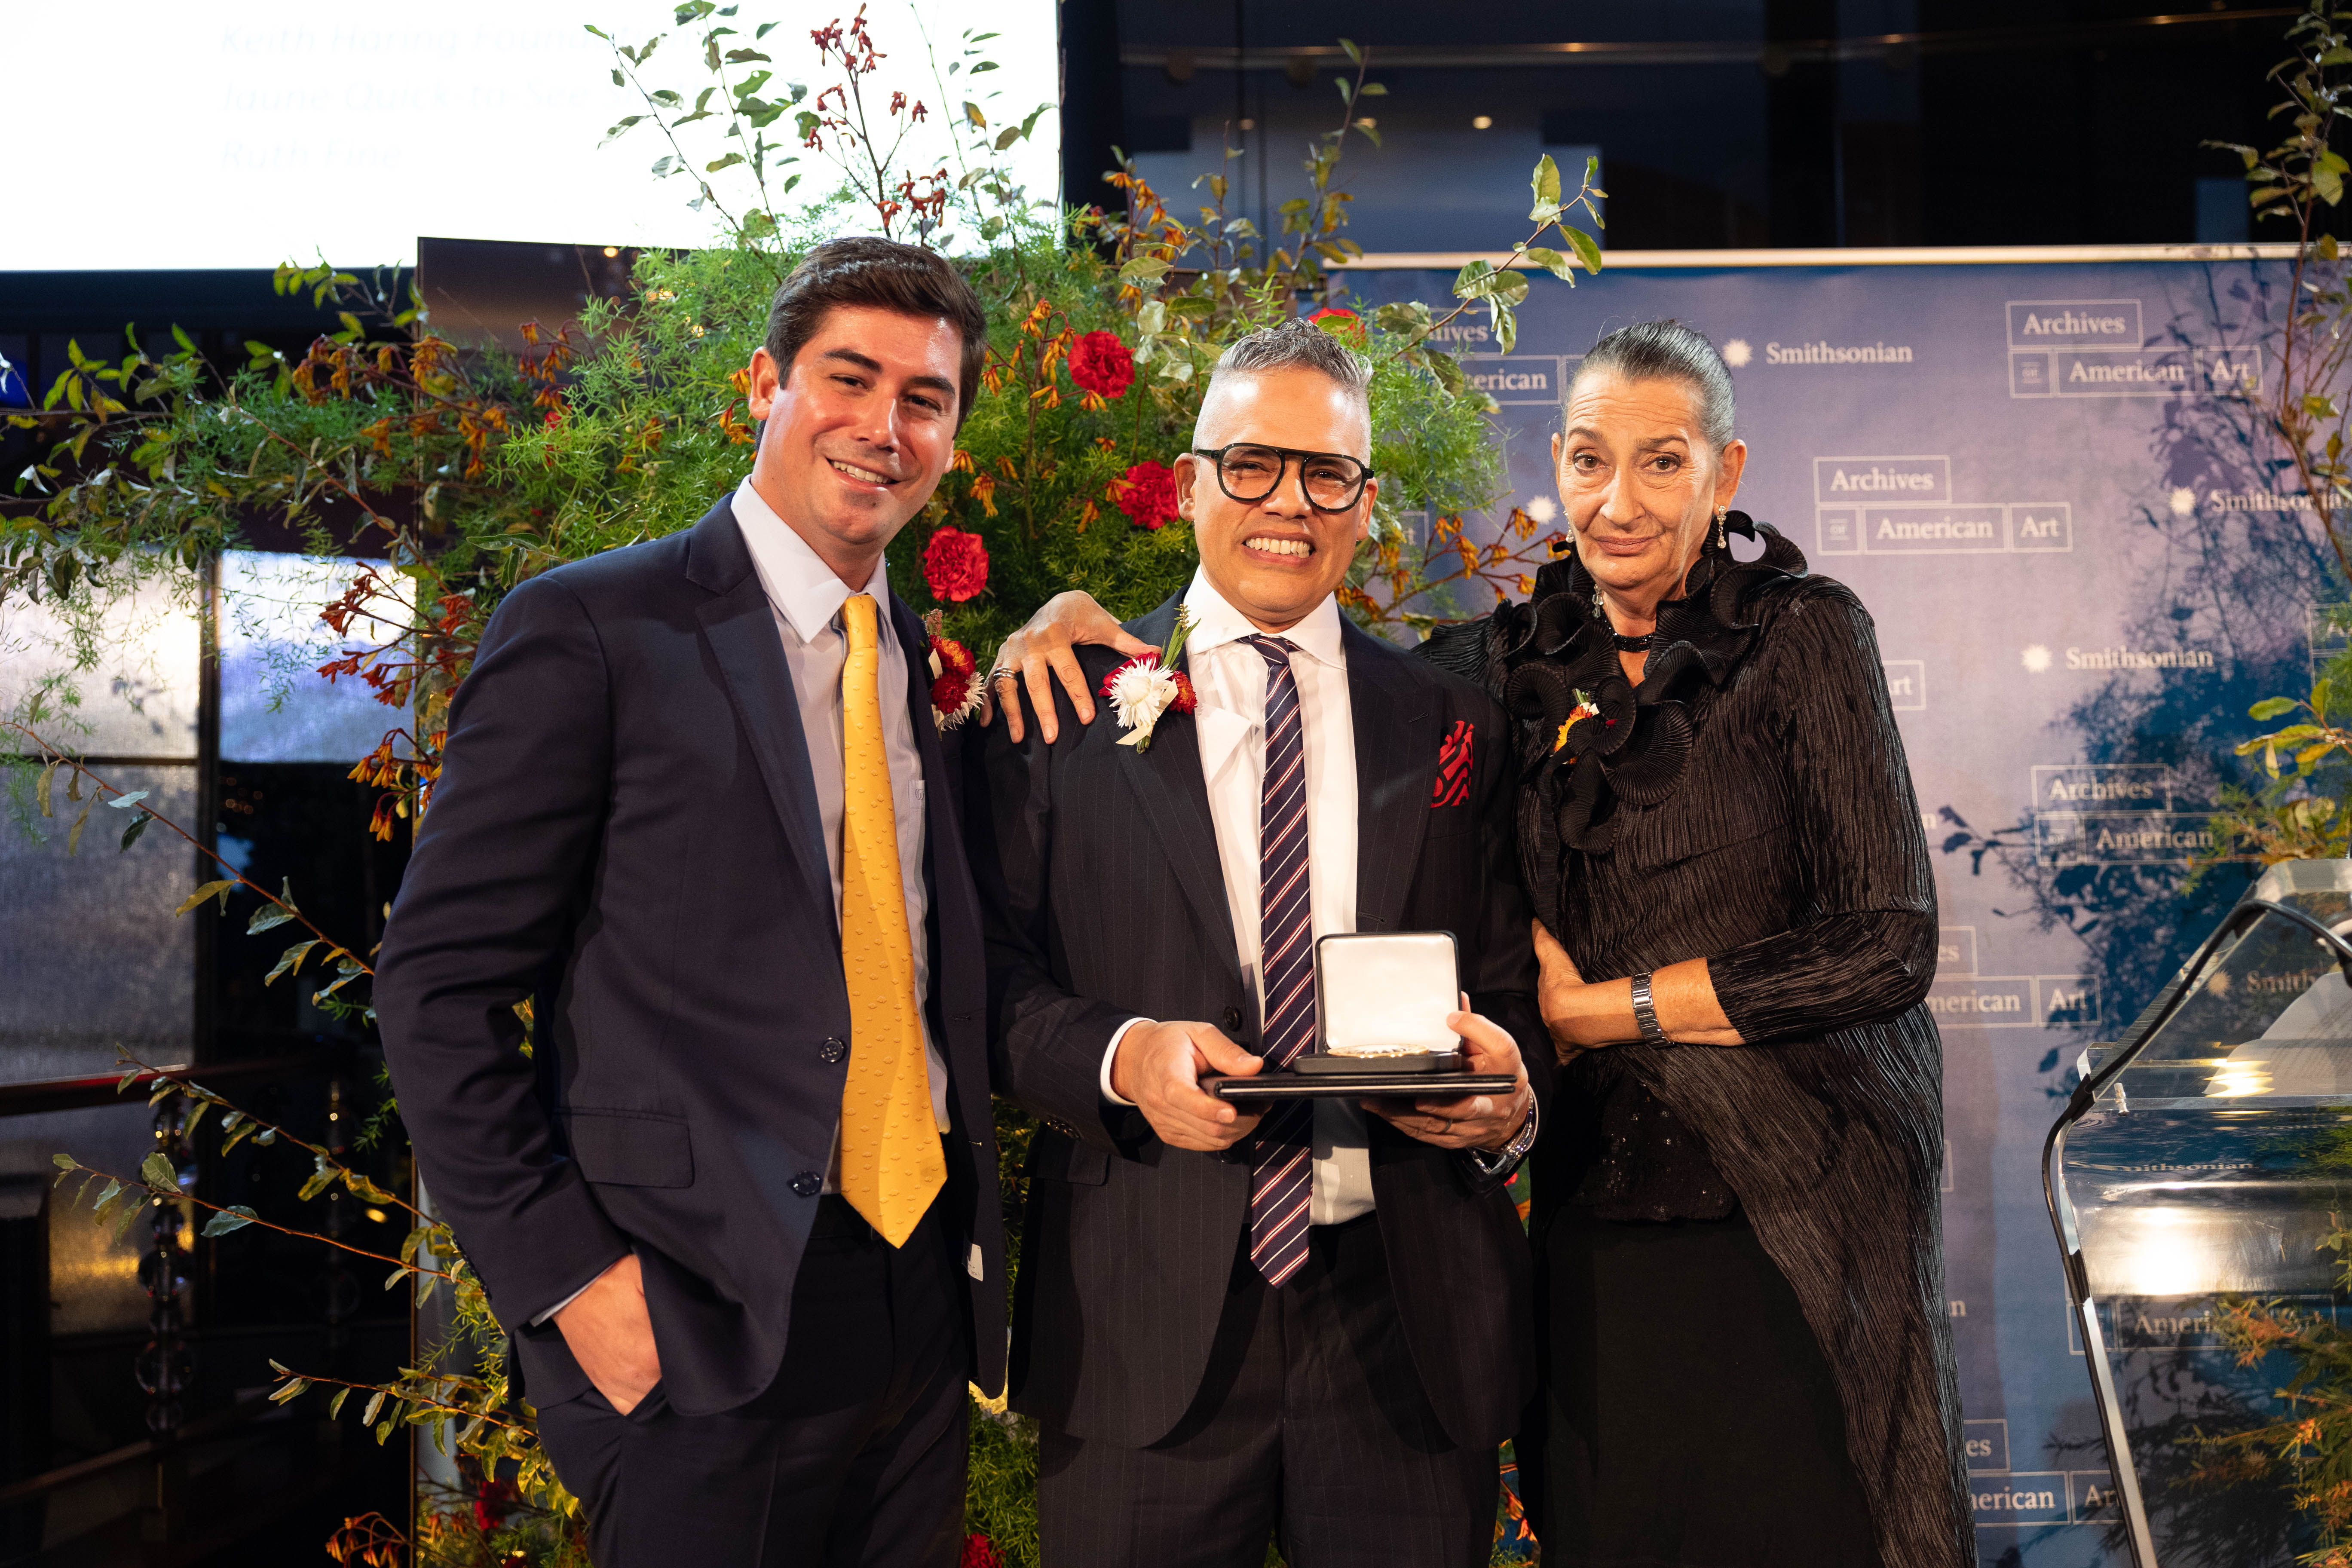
(1331, 481)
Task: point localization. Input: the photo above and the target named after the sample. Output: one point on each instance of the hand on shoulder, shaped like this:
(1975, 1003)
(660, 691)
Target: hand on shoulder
(1041, 653)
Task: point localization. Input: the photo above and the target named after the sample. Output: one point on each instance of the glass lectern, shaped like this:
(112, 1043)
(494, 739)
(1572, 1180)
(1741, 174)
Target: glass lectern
(2206, 1156)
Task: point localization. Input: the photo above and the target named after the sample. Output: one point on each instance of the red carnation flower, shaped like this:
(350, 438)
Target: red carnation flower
(979, 1552)
(1148, 494)
(1101, 364)
(955, 565)
(955, 680)
(1345, 323)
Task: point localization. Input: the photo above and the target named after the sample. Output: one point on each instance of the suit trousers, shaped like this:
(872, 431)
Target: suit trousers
(853, 1458)
(1311, 1426)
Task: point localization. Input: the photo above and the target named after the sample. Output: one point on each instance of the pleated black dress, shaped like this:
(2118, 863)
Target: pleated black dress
(1741, 1273)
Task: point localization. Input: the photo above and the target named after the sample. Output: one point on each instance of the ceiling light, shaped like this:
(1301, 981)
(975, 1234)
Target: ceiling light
(1482, 122)
(1249, 124)
(612, 250)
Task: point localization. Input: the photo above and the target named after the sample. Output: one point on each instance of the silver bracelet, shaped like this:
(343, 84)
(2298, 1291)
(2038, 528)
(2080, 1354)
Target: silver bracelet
(1497, 1161)
(1645, 1013)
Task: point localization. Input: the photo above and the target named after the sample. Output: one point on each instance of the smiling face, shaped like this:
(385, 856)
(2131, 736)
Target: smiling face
(1275, 559)
(1640, 483)
(859, 433)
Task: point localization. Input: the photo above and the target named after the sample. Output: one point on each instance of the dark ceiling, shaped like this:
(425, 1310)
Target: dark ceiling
(1718, 123)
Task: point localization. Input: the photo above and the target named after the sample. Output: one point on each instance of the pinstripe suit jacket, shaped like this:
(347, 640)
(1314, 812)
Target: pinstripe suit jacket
(1103, 901)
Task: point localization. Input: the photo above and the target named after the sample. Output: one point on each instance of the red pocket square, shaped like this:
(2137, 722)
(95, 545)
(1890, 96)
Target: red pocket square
(1452, 786)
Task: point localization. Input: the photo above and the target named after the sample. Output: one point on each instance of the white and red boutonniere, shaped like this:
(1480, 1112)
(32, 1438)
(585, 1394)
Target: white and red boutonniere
(1149, 685)
(955, 691)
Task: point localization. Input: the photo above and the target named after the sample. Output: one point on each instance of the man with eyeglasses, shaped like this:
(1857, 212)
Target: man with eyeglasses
(1311, 1322)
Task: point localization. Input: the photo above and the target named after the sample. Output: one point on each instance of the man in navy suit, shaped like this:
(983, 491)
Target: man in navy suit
(663, 810)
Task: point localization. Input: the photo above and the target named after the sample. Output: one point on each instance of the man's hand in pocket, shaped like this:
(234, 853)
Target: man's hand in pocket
(612, 1337)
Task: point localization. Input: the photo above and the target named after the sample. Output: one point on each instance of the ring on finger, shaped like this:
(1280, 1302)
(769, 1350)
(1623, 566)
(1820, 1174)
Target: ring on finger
(1002, 672)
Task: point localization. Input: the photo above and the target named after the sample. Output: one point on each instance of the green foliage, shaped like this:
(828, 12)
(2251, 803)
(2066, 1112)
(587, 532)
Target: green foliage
(469, 470)
(2308, 1450)
(1002, 1489)
(2297, 180)
(2299, 814)
(456, 1394)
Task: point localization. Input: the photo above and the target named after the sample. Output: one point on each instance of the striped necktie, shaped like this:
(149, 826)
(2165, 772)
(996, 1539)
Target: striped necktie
(1282, 1171)
(891, 1162)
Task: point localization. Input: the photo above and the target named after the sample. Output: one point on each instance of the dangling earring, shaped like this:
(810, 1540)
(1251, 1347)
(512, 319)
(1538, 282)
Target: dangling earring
(1720, 514)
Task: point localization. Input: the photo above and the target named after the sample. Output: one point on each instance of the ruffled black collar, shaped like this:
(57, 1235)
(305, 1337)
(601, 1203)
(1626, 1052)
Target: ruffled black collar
(1621, 743)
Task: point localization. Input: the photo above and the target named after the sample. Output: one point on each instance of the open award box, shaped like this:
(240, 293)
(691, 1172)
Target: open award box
(1381, 1005)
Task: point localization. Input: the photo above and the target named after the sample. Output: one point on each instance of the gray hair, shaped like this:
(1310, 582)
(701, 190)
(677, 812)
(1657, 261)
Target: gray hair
(1296, 344)
(1668, 351)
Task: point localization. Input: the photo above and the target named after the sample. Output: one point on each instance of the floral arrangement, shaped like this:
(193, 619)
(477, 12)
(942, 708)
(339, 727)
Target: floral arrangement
(467, 473)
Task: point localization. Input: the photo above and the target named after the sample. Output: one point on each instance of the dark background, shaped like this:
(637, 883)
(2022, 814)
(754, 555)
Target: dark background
(1720, 123)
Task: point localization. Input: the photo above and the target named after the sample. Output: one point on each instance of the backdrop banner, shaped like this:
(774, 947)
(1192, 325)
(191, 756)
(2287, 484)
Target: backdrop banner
(2047, 484)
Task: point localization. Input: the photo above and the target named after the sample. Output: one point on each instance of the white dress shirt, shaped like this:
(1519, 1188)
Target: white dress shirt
(807, 596)
(1230, 677)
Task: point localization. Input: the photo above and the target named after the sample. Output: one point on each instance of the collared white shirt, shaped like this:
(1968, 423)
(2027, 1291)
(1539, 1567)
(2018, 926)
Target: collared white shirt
(808, 596)
(1230, 677)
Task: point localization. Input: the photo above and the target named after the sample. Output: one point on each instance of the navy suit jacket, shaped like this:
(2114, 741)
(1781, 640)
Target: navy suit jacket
(626, 832)
(1098, 870)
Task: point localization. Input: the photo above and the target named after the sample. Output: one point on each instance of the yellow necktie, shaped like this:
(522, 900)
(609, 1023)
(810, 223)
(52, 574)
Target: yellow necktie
(891, 1164)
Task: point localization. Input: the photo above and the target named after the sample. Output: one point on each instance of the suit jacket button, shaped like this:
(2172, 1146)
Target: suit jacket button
(1233, 1019)
(833, 1050)
(808, 1183)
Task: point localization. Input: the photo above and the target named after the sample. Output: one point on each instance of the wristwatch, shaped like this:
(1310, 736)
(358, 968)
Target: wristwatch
(1645, 1013)
(1501, 1162)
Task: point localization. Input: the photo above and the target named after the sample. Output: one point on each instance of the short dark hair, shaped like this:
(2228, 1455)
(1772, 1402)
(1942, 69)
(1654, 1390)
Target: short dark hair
(1670, 351)
(865, 269)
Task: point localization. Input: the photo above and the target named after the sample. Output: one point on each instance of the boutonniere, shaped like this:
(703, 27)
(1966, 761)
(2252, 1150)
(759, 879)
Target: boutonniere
(1148, 685)
(1585, 709)
(955, 676)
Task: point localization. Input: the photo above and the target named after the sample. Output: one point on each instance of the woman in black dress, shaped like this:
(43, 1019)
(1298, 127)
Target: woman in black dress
(1739, 1253)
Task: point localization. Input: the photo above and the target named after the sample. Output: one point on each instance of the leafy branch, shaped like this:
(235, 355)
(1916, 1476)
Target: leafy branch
(422, 1407)
(743, 106)
(158, 1180)
(1505, 288)
(236, 1125)
(1411, 573)
(2293, 818)
(467, 1414)
(279, 906)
